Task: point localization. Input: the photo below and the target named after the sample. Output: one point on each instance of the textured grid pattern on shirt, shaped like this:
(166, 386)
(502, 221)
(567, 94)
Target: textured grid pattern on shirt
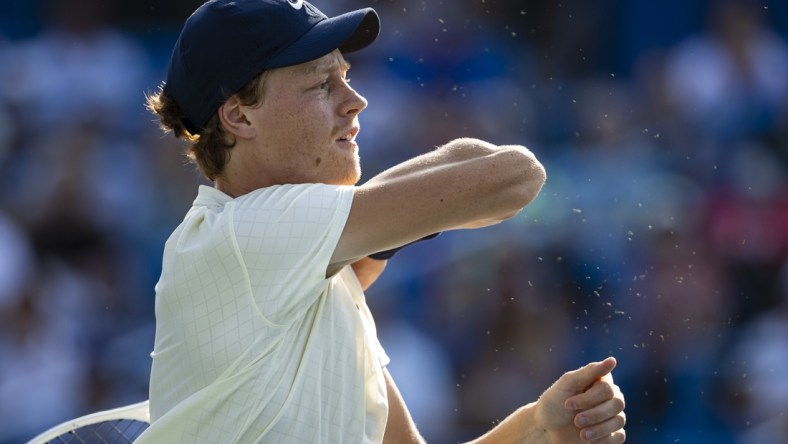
(253, 343)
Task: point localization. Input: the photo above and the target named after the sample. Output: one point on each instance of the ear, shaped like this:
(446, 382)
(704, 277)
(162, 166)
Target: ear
(232, 115)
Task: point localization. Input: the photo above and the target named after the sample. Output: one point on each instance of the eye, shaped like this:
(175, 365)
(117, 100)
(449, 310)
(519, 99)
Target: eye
(327, 83)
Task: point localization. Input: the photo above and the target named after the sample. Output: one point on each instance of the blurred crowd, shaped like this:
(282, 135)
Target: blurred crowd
(661, 236)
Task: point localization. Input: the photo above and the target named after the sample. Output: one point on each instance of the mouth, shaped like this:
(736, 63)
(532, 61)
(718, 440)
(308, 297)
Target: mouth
(349, 135)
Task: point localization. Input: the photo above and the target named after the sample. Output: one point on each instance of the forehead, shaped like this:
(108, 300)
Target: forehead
(330, 62)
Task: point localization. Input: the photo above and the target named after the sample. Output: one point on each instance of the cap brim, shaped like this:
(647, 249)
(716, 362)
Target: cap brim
(347, 32)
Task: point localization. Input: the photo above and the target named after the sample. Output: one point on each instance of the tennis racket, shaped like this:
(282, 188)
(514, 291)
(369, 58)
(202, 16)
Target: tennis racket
(117, 426)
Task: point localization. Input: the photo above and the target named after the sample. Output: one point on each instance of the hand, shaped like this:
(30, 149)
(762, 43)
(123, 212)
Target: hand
(584, 406)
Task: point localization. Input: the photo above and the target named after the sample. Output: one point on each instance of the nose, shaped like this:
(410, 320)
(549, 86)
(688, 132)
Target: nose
(354, 103)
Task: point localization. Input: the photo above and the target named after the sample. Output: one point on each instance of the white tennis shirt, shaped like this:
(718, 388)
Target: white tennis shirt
(253, 343)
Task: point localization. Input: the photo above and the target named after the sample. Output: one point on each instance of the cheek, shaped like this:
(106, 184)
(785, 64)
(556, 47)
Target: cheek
(306, 124)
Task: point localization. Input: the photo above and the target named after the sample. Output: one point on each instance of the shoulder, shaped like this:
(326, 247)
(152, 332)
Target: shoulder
(297, 213)
(279, 197)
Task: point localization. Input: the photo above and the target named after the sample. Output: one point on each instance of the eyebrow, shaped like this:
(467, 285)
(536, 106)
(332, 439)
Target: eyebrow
(338, 62)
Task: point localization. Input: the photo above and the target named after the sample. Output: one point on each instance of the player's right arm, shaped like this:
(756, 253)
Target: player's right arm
(466, 183)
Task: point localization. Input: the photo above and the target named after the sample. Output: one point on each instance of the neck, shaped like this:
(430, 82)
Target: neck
(229, 188)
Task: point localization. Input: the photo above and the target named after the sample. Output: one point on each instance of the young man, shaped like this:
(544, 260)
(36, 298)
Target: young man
(263, 333)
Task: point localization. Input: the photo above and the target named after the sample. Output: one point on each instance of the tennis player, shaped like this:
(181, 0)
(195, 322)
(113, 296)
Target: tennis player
(262, 330)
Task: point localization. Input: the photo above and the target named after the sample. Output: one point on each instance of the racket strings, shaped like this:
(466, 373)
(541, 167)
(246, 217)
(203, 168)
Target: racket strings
(117, 431)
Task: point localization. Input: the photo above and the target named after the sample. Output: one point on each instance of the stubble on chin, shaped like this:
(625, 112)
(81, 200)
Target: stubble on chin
(351, 173)
(352, 177)
(356, 168)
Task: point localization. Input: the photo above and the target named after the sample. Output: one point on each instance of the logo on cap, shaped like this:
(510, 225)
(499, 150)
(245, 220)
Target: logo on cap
(297, 4)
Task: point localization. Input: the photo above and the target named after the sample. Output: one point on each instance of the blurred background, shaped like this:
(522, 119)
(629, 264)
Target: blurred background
(661, 236)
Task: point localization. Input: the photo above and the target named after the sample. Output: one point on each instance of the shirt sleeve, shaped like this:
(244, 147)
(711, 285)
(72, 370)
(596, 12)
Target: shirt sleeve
(285, 237)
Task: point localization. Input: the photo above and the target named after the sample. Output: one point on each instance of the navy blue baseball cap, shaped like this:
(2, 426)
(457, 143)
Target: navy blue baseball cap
(225, 44)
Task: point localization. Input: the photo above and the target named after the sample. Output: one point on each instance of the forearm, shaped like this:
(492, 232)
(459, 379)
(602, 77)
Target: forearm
(459, 151)
(400, 428)
(459, 185)
(506, 178)
(519, 427)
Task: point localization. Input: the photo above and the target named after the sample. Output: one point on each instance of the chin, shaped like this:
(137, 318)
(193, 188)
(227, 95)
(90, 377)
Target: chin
(352, 176)
(356, 175)
(350, 180)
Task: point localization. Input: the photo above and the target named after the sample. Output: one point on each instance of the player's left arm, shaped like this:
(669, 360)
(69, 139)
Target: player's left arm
(400, 428)
(368, 270)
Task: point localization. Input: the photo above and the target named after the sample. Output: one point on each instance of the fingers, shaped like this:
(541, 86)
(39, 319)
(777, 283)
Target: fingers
(581, 379)
(602, 422)
(614, 438)
(598, 422)
(600, 407)
(602, 390)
